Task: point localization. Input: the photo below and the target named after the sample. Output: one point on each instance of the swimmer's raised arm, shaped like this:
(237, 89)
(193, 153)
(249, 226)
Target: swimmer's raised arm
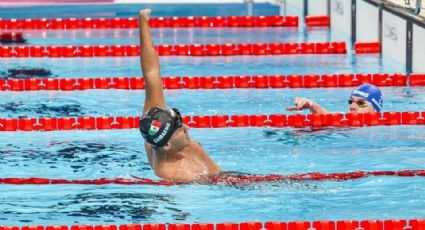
(306, 103)
(149, 60)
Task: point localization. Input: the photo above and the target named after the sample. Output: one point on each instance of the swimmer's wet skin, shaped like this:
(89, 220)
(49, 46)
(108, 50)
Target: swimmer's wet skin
(172, 154)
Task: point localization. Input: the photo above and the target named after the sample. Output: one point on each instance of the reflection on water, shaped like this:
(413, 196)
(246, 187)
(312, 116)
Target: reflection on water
(71, 148)
(120, 206)
(94, 207)
(306, 136)
(76, 155)
(50, 108)
(22, 73)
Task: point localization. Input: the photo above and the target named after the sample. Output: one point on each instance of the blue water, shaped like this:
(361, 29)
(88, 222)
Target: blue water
(82, 155)
(95, 154)
(132, 10)
(204, 66)
(208, 102)
(174, 36)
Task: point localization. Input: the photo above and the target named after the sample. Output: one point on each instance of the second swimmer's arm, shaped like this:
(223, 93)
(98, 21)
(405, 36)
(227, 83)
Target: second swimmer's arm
(317, 109)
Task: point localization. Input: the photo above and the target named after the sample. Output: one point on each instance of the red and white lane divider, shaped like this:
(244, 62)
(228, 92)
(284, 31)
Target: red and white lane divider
(218, 121)
(174, 50)
(391, 224)
(160, 22)
(314, 21)
(215, 82)
(367, 47)
(222, 179)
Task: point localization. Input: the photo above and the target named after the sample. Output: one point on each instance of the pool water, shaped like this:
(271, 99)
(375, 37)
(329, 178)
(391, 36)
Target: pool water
(120, 153)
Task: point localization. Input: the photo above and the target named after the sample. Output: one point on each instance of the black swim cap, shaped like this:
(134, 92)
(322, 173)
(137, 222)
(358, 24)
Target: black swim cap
(159, 124)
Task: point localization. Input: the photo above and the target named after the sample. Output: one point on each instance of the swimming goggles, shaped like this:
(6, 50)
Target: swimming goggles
(360, 103)
(179, 121)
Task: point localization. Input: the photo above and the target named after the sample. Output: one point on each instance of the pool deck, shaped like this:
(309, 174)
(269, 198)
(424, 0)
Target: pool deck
(402, 5)
(399, 4)
(17, 3)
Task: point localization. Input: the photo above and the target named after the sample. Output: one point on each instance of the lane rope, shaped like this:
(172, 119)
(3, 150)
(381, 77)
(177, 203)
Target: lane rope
(218, 121)
(215, 82)
(320, 20)
(159, 22)
(17, 37)
(222, 179)
(372, 47)
(227, 49)
(389, 224)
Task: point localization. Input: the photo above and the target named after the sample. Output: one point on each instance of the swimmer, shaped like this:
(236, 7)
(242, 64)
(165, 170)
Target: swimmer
(172, 154)
(366, 98)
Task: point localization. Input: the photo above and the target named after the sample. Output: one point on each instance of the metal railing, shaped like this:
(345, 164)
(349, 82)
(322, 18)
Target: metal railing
(417, 9)
(413, 6)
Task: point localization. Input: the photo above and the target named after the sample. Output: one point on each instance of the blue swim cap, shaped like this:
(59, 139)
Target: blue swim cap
(371, 93)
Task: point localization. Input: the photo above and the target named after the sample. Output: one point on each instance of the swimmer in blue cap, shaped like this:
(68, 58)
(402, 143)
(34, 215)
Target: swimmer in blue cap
(366, 98)
(172, 154)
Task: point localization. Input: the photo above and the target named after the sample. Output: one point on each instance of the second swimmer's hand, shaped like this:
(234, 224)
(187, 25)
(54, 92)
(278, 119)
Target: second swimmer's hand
(301, 104)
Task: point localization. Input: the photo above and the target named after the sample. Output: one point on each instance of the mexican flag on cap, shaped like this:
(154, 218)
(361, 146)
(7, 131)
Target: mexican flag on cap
(155, 126)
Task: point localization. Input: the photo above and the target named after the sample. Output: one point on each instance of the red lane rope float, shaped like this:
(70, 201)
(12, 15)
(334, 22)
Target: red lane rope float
(391, 224)
(367, 47)
(174, 50)
(214, 82)
(219, 121)
(222, 179)
(394, 224)
(160, 22)
(312, 21)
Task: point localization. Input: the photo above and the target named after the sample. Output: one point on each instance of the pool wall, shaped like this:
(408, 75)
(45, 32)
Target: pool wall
(401, 34)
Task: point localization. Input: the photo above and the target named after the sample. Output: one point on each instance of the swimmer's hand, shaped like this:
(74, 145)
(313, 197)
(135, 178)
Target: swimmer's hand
(301, 104)
(306, 103)
(145, 14)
